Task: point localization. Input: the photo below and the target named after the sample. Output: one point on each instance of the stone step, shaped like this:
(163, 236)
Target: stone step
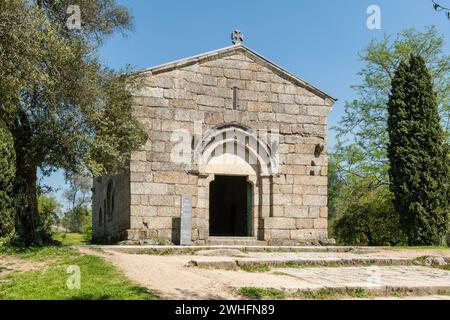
(234, 241)
(237, 262)
(380, 281)
(177, 249)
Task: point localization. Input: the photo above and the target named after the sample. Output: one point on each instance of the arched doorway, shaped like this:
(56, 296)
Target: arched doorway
(230, 206)
(234, 205)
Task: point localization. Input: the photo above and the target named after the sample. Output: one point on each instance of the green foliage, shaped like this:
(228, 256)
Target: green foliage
(99, 279)
(362, 133)
(418, 154)
(87, 228)
(7, 173)
(255, 268)
(367, 217)
(361, 159)
(260, 293)
(48, 210)
(336, 183)
(76, 219)
(62, 106)
(69, 238)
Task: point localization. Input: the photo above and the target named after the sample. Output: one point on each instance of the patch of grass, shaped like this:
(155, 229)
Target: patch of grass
(165, 251)
(446, 267)
(278, 273)
(261, 293)
(420, 247)
(38, 254)
(419, 261)
(322, 294)
(157, 252)
(98, 278)
(255, 268)
(443, 292)
(69, 238)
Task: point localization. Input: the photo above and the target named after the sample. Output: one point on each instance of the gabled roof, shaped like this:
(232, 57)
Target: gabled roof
(231, 50)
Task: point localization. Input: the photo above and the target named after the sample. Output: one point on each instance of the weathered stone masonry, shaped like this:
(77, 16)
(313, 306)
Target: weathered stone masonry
(289, 207)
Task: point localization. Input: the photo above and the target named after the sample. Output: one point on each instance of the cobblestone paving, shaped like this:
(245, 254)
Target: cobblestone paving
(372, 278)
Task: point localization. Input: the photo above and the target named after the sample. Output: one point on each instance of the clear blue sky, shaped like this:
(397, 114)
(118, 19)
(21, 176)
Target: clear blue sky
(318, 40)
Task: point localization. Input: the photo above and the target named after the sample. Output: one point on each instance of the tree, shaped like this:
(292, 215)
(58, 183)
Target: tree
(48, 211)
(78, 193)
(438, 7)
(76, 219)
(78, 197)
(418, 155)
(362, 133)
(62, 107)
(8, 165)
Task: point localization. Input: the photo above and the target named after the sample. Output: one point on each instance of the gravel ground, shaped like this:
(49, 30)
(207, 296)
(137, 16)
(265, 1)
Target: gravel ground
(171, 278)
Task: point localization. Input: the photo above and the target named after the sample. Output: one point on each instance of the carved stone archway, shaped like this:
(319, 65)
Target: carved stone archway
(234, 150)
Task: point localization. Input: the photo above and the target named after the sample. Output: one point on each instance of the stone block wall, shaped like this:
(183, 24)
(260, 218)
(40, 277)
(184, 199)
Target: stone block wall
(111, 211)
(293, 203)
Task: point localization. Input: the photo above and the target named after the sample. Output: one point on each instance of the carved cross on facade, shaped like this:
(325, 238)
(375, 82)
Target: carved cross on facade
(237, 37)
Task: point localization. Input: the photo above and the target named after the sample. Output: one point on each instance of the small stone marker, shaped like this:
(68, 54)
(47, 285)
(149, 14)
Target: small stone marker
(186, 221)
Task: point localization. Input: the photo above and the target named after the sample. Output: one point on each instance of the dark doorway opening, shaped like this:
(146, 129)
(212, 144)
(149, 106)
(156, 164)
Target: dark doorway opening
(230, 206)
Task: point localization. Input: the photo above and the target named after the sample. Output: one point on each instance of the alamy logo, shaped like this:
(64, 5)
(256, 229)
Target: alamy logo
(374, 20)
(74, 280)
(73, 22)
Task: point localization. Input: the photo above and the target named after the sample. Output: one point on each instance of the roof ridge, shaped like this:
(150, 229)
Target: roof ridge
(219, 53)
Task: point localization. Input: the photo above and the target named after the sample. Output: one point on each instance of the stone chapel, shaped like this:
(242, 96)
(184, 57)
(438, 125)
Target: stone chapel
(236, 154)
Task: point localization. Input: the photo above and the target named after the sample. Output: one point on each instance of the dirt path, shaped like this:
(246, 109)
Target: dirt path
(171, 278)
(167, 275)
(9, 264)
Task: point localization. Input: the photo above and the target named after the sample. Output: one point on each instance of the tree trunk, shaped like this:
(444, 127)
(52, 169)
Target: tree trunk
(28, 226)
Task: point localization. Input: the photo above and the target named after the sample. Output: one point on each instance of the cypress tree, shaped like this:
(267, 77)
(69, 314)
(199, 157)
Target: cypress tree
(418, 155)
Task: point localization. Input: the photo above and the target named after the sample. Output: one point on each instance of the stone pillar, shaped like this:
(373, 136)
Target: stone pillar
(265, 205)
(200, 223)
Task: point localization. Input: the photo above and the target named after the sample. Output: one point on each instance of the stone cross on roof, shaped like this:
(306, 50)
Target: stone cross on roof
(237, 37)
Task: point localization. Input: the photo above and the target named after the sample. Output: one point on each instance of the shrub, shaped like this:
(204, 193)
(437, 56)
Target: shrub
(87, 234)
(369, 219)
(7, 174)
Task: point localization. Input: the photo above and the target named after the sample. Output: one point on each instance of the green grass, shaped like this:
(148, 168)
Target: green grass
(156, 252)
(443, 292)
(324, 294)
(255, 268)
(69, 238)
(99, 279)
(420, 247)
(446, 267)
(260, 293)
(328, 293)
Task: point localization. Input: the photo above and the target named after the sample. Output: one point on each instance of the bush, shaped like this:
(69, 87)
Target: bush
(87, 234)
(75, 219)
(369, 219)
(48, 209)
(7, 175)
